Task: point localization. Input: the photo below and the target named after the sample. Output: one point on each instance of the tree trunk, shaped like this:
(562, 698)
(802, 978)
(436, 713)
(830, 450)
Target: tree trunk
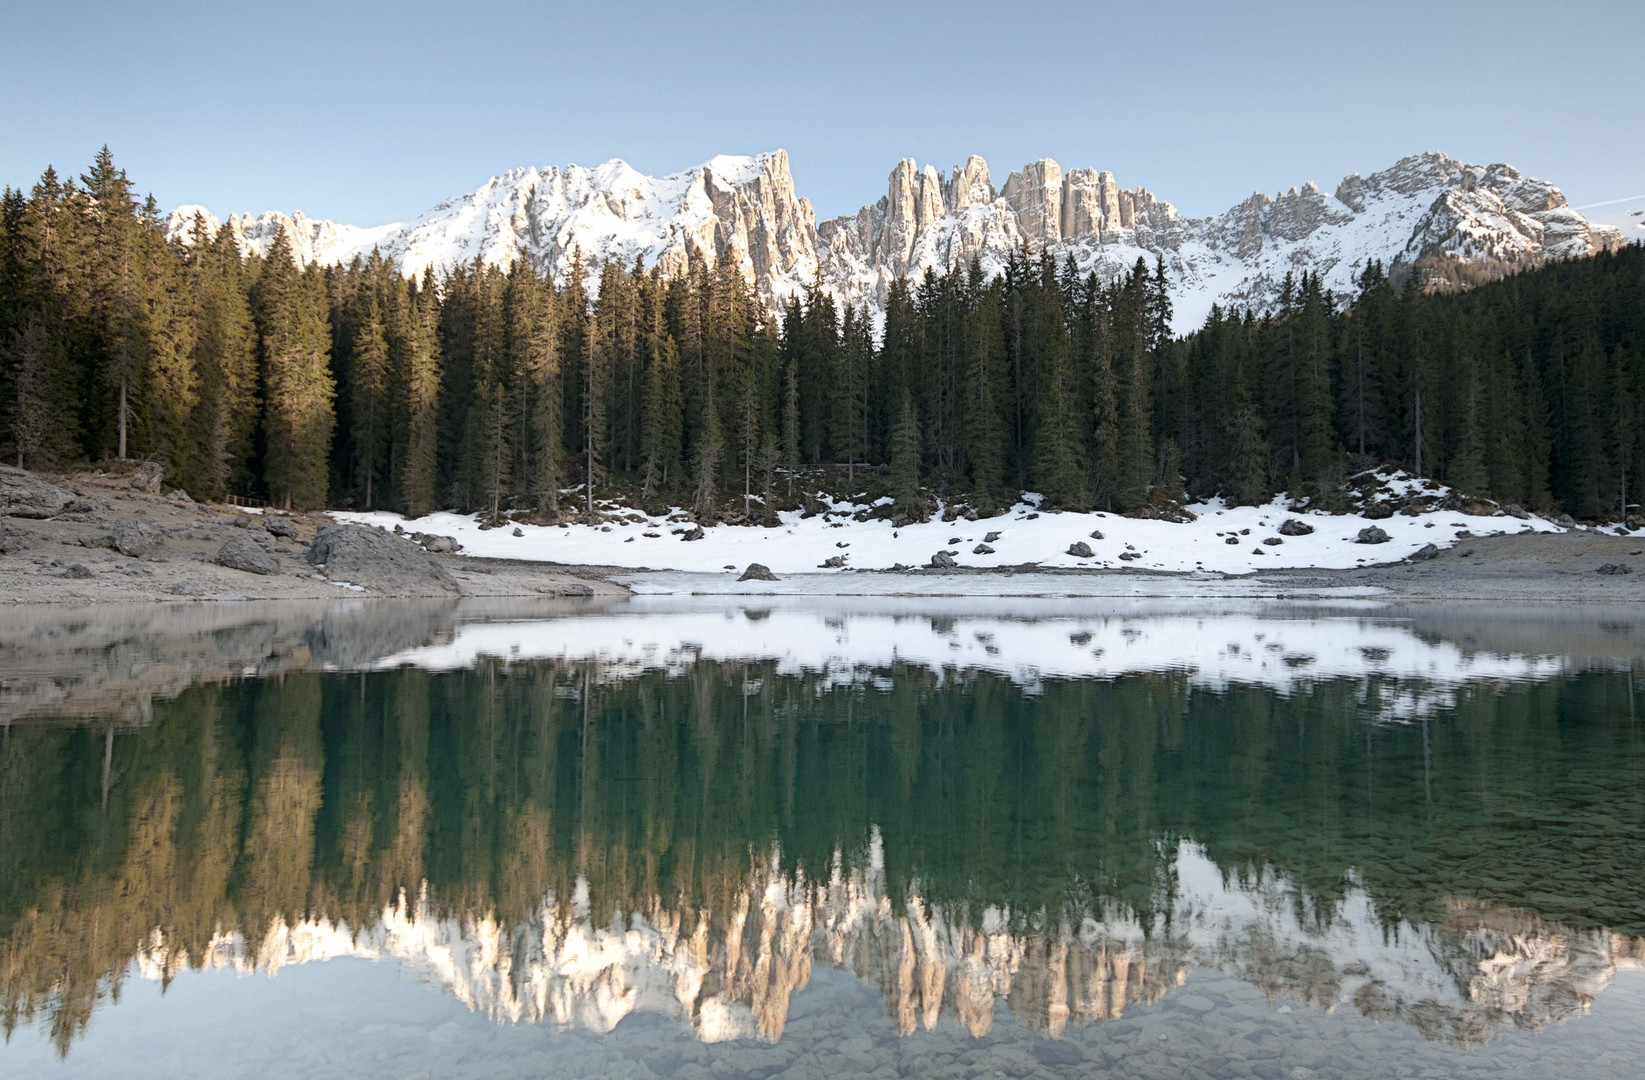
(122, 419)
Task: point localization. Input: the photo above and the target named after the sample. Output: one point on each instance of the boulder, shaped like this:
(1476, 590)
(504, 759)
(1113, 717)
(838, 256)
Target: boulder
(178, 495)
(1293, 527)
(13, 540)
(261, 537)
(24, 495)
(242, 521)
(1565, 521)
(1378, 511)
(757, 572)
(442, 545)
(139, 538)
(1272, 541)
(991, 537)
(1424, 553)
(1081, 550)
(1231, 541)
(693, 533)
(521, 532)
(147, 477)
(1371, 534)
(79, 570)
(942, 561)
(1615, 568)
(375, 558)
(244, 553)
(1096, 534)
(982, 549)
(277, 525)
(833, 562)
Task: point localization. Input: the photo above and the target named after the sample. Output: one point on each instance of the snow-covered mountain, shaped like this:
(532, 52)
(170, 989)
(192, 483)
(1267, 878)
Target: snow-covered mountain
(747, 208)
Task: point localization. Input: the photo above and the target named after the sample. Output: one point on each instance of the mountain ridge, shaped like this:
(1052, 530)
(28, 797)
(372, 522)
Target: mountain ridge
(1426, 206)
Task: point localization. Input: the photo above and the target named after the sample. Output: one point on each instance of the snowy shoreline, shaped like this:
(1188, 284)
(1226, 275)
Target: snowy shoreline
(1221, 541)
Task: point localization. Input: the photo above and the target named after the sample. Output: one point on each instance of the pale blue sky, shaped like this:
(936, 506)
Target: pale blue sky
(369, 113)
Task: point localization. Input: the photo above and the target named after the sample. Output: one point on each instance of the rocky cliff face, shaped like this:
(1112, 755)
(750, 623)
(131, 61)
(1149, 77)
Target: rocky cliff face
(1424, 207)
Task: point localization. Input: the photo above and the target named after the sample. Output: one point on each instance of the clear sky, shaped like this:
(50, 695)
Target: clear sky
(368, 112)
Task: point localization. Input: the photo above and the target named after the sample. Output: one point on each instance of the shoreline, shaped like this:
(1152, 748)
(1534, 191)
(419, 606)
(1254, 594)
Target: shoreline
(67, 560)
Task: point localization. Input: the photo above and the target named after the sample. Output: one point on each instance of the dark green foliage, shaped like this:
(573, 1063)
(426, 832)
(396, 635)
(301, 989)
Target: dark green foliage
(495, 390)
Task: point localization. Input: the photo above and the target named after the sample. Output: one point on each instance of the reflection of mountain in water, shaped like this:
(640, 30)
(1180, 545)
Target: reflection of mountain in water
(733, 977)
(704, 832)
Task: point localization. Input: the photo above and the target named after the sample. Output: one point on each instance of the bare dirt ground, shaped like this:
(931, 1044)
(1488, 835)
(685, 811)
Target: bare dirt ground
(1522, 567)
(67, 559)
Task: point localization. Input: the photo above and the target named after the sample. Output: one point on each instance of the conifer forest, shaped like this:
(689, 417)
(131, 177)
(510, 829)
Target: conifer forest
(492, 390)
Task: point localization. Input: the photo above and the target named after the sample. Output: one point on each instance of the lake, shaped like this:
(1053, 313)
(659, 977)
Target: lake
(802, 837)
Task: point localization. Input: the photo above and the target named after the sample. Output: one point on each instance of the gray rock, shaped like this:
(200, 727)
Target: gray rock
(241, 521)
(982, 549)
(139, 538)
(942, 561)
(1379, 511)
(1615, 568)
(833, 562)
(24, 495)
(1273, 541)
(442, 545)
(244, 553)
(13, 540)
(186, 588)
(1080, 550)
(693, 533)
(758, 572)
(1372, 534)
(147, 477)
(378, 559)
(277, 525)
(1231, 541)
(521, 532)
(991, 537)
(1424, 553)
(261, 537)
(178, 495)
(1096, 534)
(80, 571)
(1565, 521)
(1293, 527)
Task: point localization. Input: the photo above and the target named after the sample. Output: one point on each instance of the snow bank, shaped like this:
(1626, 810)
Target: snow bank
(1026, 536)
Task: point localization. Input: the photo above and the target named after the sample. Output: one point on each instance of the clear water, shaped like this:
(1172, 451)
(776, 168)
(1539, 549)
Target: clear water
(881, 838)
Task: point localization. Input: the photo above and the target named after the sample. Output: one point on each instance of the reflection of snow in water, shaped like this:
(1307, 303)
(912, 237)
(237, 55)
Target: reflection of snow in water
(1411, 674)
(731, 974)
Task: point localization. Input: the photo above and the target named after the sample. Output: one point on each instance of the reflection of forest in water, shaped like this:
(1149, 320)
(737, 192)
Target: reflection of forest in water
(582, 846)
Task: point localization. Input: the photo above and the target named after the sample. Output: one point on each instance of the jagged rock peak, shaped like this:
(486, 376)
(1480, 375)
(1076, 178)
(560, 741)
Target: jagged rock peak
(1424, 207)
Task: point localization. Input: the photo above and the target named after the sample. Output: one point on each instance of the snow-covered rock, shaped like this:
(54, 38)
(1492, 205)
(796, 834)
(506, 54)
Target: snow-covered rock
(747, 208)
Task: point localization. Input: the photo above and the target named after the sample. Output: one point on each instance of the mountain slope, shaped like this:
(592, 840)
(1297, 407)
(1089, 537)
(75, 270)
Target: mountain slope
(1424, 207)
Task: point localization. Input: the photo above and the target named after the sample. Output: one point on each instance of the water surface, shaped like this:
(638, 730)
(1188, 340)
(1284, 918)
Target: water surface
(813, 838)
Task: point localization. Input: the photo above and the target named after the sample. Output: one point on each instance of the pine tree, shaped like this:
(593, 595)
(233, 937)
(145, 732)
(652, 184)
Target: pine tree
(224, 414)
(40, 415)
(295, 338)
(369, 395)
(419, 353)
(114, 287)
(905, 457)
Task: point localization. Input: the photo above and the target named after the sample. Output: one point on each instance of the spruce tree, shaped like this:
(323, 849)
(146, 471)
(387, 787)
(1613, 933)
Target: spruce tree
(369, 395)
(905, 457)
(295, 336)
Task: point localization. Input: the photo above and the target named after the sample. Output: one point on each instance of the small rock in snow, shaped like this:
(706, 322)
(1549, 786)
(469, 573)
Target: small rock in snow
(1293, 527)
(1080, 550)
(1372, 534)
(758, 572)
(991, 537)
